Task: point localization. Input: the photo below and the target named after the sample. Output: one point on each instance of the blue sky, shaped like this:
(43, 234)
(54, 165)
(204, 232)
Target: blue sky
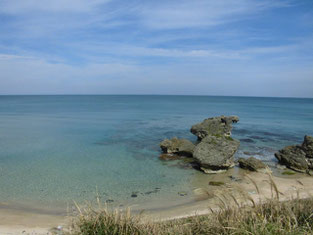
(200, 47)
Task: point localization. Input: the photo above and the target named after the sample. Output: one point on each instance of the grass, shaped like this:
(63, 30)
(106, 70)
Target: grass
(272, 217)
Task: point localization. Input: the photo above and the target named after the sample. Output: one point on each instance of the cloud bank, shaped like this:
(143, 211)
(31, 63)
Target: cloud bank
(226, 47)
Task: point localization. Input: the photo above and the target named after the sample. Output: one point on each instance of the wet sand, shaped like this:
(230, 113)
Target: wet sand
(17, 221)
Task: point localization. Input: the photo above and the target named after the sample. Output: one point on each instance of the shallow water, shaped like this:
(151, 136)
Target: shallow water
(55, 149)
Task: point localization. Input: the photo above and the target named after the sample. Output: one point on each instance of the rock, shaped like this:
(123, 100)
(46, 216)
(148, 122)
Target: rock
(251, 164)
(293, 157)
(307, 146)
(216, 183)
(177, 146)
(221, 125)
(182, 194)
(215, 153)
(298, 157)
(134, 194)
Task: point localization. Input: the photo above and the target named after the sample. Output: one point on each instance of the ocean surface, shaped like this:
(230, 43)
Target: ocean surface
(56, 149)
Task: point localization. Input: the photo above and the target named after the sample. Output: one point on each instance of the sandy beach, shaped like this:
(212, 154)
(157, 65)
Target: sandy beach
(14, 221)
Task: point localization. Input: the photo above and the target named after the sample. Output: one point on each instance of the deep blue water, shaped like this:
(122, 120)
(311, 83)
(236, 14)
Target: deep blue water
(60, 148)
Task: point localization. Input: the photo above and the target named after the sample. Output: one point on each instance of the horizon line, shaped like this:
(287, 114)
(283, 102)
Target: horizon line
(239, 96)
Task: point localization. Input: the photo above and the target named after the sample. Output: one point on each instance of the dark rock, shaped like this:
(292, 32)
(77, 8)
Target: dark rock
(216, 183)
(297, 157)
(307, 146)
(216, 153)
(134, 194)
(177, 146)
(182, 194)
(251, 164)
(109, 201)
(293, 157)
(221, 125)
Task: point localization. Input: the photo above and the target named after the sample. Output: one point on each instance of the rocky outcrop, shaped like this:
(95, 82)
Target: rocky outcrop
(177, 146)
(297, 157)
(251, 164)
(214, 150)
(221, 125)
(307, 146)
(215, 153)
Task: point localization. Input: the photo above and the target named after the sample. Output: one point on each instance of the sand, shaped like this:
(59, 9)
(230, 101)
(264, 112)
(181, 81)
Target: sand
(14, 221)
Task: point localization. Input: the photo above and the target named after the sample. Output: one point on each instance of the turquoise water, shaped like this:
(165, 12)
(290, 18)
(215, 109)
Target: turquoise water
(54, 149)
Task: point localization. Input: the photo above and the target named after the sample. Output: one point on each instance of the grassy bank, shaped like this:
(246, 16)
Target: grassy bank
(271, 217)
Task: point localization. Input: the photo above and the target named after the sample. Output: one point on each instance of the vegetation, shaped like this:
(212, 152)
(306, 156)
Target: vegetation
(272, 217)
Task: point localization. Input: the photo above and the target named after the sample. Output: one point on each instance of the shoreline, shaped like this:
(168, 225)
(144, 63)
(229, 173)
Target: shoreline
(15, 221)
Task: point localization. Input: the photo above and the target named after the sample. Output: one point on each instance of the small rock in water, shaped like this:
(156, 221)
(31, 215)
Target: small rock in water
(216, 183)
(182, 194)
(109, 201)
(134, 194)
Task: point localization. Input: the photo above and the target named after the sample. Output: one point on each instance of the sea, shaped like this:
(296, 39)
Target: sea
(63, 148)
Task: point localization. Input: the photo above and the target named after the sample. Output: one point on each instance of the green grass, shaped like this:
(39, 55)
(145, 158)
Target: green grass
(232, 217)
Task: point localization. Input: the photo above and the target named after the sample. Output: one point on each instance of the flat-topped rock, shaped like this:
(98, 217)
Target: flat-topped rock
(297, 157)
(177, 146)
(221, 125)
(215, 153)
(251, 164)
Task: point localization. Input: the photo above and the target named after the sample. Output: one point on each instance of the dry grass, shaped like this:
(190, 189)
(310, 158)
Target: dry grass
(239, 217)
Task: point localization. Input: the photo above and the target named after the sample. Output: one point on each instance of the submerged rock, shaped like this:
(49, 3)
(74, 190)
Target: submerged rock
(177, 146)
(215, 153)
(297, 157)
(221, 125)
(251, 164)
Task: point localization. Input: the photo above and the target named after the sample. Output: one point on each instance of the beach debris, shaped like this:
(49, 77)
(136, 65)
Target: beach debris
(297, 157)
(251, 164)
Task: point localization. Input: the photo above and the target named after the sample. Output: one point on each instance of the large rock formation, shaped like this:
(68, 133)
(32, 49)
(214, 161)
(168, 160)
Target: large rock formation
(216, 153)
(297, 157)
(177, 146)
(221, 125)
(251, 164)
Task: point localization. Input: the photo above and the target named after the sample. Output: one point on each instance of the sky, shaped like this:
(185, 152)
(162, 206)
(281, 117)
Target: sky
(178, 47)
